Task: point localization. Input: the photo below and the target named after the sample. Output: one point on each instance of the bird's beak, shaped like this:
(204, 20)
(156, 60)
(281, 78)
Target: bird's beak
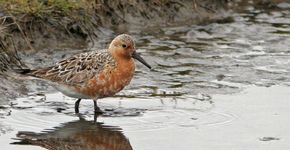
(139, 58)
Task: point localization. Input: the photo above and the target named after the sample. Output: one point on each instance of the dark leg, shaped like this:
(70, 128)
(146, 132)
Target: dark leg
(97, 109)
(96, 117)
(77, 103)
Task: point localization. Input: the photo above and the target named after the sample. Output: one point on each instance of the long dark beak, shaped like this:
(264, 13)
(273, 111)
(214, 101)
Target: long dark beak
(139, 58)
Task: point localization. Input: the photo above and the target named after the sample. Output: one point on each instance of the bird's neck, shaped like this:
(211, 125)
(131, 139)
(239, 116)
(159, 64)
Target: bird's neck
(124, 62)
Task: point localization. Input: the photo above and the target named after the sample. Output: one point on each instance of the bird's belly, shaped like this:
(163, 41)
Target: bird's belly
(70, 92)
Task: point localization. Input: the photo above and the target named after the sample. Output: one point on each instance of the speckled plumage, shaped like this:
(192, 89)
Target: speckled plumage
(77, 69)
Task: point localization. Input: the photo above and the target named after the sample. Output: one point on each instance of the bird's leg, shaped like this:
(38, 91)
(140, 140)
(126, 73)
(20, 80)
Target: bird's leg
(77, 103)
(97, 109)
(96, 115)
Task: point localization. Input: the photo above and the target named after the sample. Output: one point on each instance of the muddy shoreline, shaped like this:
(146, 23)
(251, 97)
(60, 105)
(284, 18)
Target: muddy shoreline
(23, 35)
(78, 28)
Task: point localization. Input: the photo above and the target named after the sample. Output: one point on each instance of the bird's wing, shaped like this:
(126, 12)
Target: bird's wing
(77, 69)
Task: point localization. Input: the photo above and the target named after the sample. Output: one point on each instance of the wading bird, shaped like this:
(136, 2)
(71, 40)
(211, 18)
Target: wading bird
(92, 75)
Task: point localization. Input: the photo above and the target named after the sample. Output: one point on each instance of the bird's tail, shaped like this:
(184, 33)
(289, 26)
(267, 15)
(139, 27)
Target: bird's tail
(20, 74)
(22, 71)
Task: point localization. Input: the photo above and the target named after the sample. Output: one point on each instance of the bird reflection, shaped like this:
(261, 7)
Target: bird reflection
(77, 135)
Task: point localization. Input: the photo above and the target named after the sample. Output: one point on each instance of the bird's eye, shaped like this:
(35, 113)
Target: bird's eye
(124, 45)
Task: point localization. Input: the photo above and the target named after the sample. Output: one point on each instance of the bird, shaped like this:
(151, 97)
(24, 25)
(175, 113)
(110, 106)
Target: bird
(92, 75)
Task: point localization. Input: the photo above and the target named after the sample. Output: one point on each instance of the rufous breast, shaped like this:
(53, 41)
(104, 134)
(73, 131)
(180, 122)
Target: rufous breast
(110, 80)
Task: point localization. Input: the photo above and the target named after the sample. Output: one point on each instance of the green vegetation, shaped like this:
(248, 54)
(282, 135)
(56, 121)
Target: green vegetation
(44, 7)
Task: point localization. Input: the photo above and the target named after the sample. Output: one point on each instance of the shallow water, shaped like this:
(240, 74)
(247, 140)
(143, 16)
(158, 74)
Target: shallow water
(215, 86)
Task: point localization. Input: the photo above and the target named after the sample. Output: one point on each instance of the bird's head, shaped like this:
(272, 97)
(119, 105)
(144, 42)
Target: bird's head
(124, 46)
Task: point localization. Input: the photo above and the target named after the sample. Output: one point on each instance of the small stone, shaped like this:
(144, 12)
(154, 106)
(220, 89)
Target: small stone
(268, 138)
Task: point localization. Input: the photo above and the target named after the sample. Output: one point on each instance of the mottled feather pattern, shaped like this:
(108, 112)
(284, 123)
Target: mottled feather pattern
(78, 68)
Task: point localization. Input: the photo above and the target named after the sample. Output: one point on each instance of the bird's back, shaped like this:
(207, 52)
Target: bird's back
(75, 70)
